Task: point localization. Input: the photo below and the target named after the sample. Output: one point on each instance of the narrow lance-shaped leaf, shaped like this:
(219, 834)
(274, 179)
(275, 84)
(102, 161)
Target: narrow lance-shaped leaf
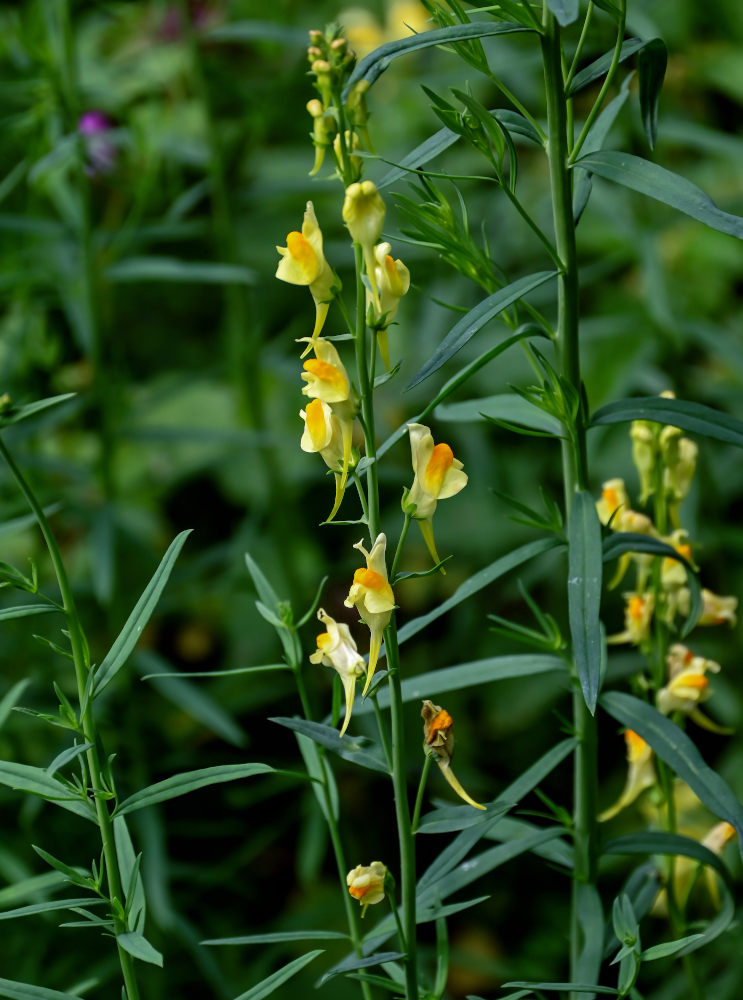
(475, 320)
(25, 991)
(565, 11)
(190, 781)
(660, 842)
(678, 751)
(35, 781)
(24, 610)
(16, 414)
(372, 66)
(651, 68)
(357, 750)
(139, 947)
(694, 417)
(663, 185)
(599, 67)
(584, 593)
(267, 986)
(129, 635)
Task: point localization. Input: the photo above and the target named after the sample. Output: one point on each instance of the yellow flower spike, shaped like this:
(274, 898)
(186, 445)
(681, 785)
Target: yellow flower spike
(438, 742)
(325, 374)
(393, 281)
(337, 649)
(366, 883)
(688, 684)
(640, 774)
(363, 213)
(438, 476)
(303, 263)
(330, 435)
(372, 596)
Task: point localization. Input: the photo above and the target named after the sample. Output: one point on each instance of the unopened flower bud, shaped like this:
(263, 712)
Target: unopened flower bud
(644, 455)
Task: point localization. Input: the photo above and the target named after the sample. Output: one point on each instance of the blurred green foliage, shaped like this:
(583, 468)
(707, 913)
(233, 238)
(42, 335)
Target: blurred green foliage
(136, 270)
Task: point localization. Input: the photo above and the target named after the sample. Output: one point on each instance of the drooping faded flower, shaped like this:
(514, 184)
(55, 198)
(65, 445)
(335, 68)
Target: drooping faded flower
(337, 649)
(371, 595)
(438, 475)
(366, 883)
(303, 263)
(438, 742)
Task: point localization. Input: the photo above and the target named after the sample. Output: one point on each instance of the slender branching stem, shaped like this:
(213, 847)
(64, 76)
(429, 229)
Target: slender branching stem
(421, 791)
(100, 786)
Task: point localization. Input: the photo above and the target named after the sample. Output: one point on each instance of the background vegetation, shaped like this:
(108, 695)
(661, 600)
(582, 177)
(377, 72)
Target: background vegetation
(144, 284)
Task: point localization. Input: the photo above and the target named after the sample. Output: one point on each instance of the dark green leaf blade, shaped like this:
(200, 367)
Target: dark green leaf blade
(662, 185)
(674, 747)
(651, 68)
(14, 415)
(659, 842)
(689, 416)
(139, 947)
(584, 593)
(35, 781)
(565, 11)
(463, 331)
(352, 748)
(601, 65)
(25, 991)
(280, 937)
(271, 983)
(190, 781)
(129, 635)
(352, 963)
(24, 610)
(372, 66)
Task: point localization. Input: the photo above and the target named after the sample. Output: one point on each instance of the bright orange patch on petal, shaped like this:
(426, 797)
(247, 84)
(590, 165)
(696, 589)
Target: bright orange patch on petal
(315, 422)
(438, 466)
(440, 723)
(324, 641)
(301, 251)
(358, 891)
(609, 494)
(636, 607)
(685, 551)
(325, 372)
(635, 744)
(698, 681)
(369, 579)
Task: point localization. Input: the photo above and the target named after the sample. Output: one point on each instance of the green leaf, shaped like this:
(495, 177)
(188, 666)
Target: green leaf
(565, 11)
(584, 593)
(24, 610)
(663, 185)
(252, 31)
(595, 140)
(35, 781)
(267, 986)
(279, 937)
(591, 923)
(435, 911)
(131, 877)
(651, 69)
(669, 948)
(674, 747)
(190, 781)
(15, 414)
(138, 946)
(352, 963)
(24, 991)
(352, 748)
(53, 904)
(601, 65)
(566, 987)
(476, 319)
(372, 66)
(468, 675)
(170, 269)
(10, 699)
(657, 842)
(129, 635)
(694, 417)
(477, 582)
(505, 406)
(31, 888)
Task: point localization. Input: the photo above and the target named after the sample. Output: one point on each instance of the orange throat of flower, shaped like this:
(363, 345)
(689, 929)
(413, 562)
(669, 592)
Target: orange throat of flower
(438, 465)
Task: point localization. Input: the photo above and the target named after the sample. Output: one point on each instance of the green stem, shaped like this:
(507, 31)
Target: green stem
(531, 224)
(421, 790)
(396, 915)
(596, 109)
(367, 398)
(402, 812)
(579, 47)
(585, 833)
(352, 913)
(382, 730)
(398, 550)
(81, 662)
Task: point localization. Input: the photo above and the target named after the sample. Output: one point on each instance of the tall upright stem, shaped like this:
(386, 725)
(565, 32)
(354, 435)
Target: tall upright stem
(573, 455)
(80, 659)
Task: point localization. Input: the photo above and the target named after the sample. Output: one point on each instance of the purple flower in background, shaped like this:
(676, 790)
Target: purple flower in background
(95, 126)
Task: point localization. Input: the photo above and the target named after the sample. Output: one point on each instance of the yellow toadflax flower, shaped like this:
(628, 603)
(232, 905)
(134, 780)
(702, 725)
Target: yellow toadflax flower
(438, 742)
(331, 436)
(371, 595)
(363, 213)
(336, 649)
(640, 774)
(687, 685)
(438, 475)
(393, 281)
(303, 263)
(717, 610)
(613, 501)
(366, 883)
(325, 374)
(638, 613)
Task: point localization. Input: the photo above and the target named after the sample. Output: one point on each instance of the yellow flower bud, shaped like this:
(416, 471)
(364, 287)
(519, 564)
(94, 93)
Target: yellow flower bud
(363, 213)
